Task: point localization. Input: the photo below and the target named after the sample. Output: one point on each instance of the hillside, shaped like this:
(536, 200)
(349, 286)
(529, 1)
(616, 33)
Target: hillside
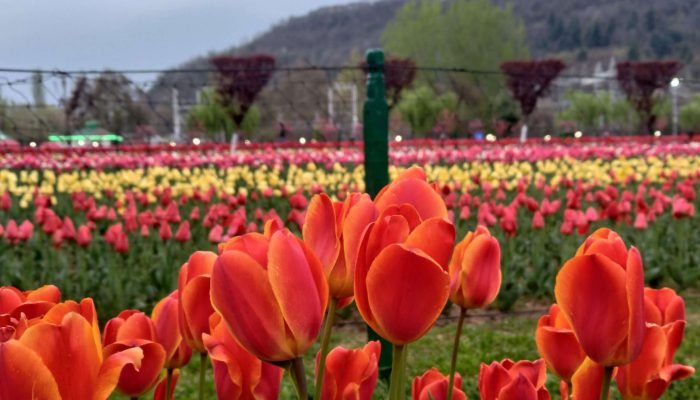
(581, 31)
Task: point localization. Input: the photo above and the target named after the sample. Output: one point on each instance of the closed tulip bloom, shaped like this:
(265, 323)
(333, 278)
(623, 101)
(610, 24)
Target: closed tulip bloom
(401, 279)
(663, 306)
(475, 270)
(351, 374)
(600, 291)
(183, 233)
(411, 187)
(167, 332)
(239, 375)
(193, 303)
(62, 359)
(537, 220)
(508, 380)
(133, 329)
(650, 374)
(333, 230)
(557, 344)
(432, 385)
(271, 292)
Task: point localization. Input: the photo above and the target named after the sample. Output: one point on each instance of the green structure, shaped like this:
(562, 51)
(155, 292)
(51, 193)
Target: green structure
(376, 137)
(91, 132)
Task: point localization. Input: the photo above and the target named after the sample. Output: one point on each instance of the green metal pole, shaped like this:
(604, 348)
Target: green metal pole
(376, 137)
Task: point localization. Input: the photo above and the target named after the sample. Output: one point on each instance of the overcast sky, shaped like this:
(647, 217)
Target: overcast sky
(127, 34)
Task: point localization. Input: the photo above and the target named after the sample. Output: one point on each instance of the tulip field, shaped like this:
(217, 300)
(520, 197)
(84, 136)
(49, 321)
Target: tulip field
(534, 271)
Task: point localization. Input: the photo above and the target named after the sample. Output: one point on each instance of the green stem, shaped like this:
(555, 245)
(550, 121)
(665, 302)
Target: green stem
(325, 342)
(455, 351)
(397, 373)
(202, 370)
(607, 378)
(296, 370)
(168, 379)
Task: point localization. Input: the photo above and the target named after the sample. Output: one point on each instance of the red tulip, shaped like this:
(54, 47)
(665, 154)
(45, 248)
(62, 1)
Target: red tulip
(411, 187)
(475, 270)
(60, 357)
(600, 291)
(557, 344)
(193, 303)
(587, 381)
(648, 376)
(522, 380)
(433, 385)
(271, 292)
(537, 221)
(167, 332)
(640, 221)
(183, 233)
(663, 306)
(216, 234)
(237, 373)
(350, 374)
(164, 231)
(83, 237)
(133, 329)
(334, 230)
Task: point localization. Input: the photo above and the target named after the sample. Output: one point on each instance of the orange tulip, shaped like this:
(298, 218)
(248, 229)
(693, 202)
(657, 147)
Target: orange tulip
(167, 332)
(475, 270)
(350, 374)
(133, 329)
(557, 344)
(239, 375)
(193, 298)
(412, 188)
(522, 380)
(663, 306)
(432, 385)
(334, 230)
(650, 374)
(401, 279)
(31, 303)
(62, 359)
(600, 291)
(271, 292)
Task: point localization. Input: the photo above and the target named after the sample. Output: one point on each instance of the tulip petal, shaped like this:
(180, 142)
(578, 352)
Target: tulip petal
(135, 382)
(436, 237)
(159, 393)
(297, 281)
(559, 348)
(23, 375)
(196, 307)
(320, 231)
(137, 326)
(48, 293)
(242, 294)
(76, 366)
(590, 290)
(407, 290)
(519, 388)
(356, 221)
(111, 370)
(588, 380)
(635, 303)
(254, 244)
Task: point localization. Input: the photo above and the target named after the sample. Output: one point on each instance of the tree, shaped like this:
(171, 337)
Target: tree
(640, 80)
(212, 118)
(586, 109)
(399, 73)
(111, 99)
(530, 80)
(461, 33)
(421, 108)
(690, 115)
(239, 81)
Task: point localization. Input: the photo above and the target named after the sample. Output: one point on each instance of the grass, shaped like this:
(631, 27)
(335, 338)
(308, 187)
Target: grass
(486, 337)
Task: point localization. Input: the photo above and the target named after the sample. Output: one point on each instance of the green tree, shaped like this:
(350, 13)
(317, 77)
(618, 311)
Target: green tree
(587, 110)
(689, 115)
(421, 108)
(213, 118)
(475, 34)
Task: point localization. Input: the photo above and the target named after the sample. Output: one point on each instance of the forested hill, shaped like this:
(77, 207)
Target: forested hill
(581, 31)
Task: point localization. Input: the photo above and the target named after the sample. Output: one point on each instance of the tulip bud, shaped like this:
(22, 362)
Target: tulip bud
(475, 270)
